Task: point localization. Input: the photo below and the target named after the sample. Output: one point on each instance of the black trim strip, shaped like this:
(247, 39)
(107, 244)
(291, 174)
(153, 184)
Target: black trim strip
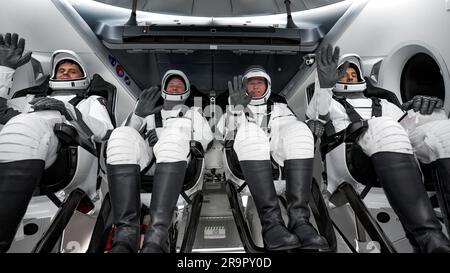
(191, 227)
(48, 241)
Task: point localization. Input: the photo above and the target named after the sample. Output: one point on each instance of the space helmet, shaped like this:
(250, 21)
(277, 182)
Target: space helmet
(61, 56)
(165, 80)
(355, 62)
(258, 71)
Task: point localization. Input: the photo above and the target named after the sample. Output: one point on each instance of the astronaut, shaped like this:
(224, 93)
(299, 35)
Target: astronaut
(152, 131)
(28, 144)
(267, 128)
(339, 98)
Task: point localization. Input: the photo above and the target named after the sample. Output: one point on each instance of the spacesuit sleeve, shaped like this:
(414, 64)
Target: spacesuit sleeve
(134, 121)
(137, 122)
(391, 110)
(96, 117)
(6, 80)
(201, 129)
(229, 122)
(6, 112)
(281, 110)
(415, 119)
(320, 102)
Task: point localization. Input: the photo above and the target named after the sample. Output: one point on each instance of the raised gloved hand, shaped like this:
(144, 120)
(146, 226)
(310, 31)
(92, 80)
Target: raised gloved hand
(327, 63)
(238, 95)
(11, 50)
(316, 127)
(425, 104)
(147, 102)
(46, 103)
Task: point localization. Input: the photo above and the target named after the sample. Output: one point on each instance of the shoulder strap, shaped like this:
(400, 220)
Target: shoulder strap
(266, 119)
(376, 107)
(75, 100)
(351, 112)
(329, 128)
(349, 109)
(158, 120)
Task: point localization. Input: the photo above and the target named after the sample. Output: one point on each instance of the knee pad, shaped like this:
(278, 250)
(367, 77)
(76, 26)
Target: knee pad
(293, 140)
(385, 135)
(431, 141)
(251, 143)
(126, 146)
(173, 144)
(28, 137)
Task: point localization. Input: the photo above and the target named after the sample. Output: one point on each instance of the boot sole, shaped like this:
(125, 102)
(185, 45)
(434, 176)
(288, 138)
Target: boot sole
(282, 248)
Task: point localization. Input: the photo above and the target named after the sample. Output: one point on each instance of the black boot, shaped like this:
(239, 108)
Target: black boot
(258, 175)
(18, 180)
(299, 174)
(124, 187)
(402, 182)
(167, 185)
(441, 178)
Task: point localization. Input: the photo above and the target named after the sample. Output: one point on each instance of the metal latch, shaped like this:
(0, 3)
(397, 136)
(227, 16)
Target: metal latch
(309, 59)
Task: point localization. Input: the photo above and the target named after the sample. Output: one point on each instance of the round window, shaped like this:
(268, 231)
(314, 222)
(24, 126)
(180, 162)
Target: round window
(421, 76)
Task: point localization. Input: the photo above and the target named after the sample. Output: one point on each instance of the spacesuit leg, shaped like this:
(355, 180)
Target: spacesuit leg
(30, 136)
(253, 150)
(18, 180)
(27, 143)
(127, 153)
(441, 179)
(171, 153)
(401, 180)
(384, 134)
(295, 146)
(431, 142)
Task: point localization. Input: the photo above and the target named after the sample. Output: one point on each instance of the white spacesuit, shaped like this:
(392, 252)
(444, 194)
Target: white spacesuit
(339, 99)
(28, 144)
(151, 132)
(270, 129)
(27, 136)
(429, 134)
